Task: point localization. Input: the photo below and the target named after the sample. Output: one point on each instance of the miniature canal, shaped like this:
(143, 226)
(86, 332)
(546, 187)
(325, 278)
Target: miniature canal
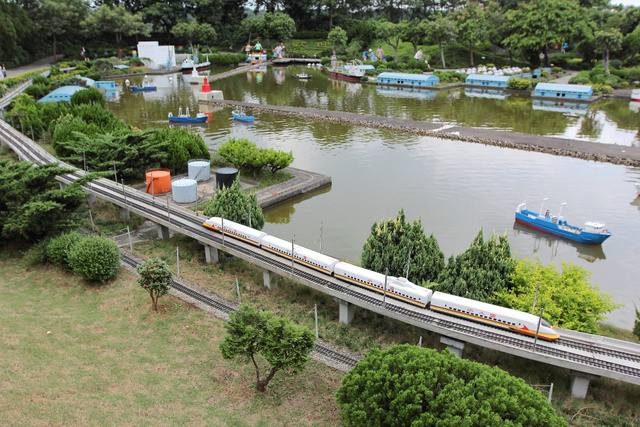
(456, 188)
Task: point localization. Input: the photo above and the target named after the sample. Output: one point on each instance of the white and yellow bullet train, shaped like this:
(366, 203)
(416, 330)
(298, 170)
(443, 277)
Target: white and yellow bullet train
(397, 287)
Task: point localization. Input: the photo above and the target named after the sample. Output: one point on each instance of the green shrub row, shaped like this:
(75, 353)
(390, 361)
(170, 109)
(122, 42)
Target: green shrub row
(225, 58)
(94, 258)
(244, 154)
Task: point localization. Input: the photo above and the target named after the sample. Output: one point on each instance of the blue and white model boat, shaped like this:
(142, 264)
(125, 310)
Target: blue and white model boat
(186, 118)
(592, 233)
(143, 88)
(241, 116)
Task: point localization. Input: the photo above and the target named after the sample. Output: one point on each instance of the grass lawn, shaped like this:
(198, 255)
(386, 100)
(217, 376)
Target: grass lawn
(72, 353)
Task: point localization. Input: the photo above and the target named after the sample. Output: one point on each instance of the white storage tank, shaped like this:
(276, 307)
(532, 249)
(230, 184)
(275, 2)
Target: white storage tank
(184, 190)
(200, 170)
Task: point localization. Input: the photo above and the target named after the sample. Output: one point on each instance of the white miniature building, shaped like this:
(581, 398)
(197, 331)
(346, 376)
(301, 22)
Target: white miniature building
(156, 56)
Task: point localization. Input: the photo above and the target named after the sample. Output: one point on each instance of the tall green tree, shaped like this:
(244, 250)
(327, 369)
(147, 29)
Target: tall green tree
(539, 22)
(414, 32)
(56, 19)
(155, 278)
(16, 34)
(483, 269)
(116, 21)
(472, 27)
(194, 32)
(235, 205)
(390, 243)
(441, 31)
(284, 345)
(608, 41)
(277, 27)
(163, 15)
(338, 39)
(410, 386)
(391, 34)
(570, 301)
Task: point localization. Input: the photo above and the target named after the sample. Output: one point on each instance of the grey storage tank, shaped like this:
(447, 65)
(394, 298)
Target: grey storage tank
(225, 177)
(199, 169)
(184, 190)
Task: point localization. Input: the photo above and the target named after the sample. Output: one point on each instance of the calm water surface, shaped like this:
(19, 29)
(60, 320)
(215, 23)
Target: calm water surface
(456, 188)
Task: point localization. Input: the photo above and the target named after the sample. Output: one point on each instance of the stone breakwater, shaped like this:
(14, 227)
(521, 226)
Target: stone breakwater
(609, 153)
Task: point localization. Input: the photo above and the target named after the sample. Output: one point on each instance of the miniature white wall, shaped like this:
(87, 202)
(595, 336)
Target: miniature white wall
(158, 56)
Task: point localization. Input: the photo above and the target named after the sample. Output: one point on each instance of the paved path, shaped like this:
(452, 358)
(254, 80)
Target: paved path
(40, 63)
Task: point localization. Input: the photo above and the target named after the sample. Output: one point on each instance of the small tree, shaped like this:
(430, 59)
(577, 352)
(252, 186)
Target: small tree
(441, 31)
(408, 385)
(194, 32)
(337, 38)
(607, 42)
(234, 204)
(155, 278)
(283, 344)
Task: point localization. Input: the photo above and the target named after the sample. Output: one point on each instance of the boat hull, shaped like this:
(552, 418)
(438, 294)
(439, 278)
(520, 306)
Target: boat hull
(188, 119)
(346, 77)
(199, 67)
(143, 89)
(568, 232)
(242, 118)
(635, 95)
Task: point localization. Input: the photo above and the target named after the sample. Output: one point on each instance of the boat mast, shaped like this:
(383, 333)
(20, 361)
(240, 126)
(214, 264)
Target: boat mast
(561, 210)
(542, 206)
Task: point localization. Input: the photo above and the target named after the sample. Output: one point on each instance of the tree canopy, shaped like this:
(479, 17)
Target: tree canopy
(570, 301)
(117, 21)
(284, 345)
(480, 271)
(389, 245)
(235, 205)
(408, 385)
(156, 278)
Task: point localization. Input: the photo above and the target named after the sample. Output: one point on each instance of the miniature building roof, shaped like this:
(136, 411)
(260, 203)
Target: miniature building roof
(89, 82)
(407, 76)
(61, 94)
(488, 78)
(556, 87)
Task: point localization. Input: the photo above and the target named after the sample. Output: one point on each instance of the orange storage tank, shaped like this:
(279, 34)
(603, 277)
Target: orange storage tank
(158, 181)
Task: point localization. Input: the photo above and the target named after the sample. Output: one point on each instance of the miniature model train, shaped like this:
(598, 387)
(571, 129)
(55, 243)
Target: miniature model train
(397, 287)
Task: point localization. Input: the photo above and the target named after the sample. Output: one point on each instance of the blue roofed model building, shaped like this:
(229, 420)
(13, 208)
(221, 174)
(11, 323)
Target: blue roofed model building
(63, 93)
(407, 79)
(553, 90)
(487, 80)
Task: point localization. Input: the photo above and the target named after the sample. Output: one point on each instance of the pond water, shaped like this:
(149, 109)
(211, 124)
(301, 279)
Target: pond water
(456, 188)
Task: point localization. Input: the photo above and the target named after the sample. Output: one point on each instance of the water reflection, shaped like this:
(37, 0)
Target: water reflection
(485, 93)
(406, 92)
(542, 241)
(560, 107)
(282, 212)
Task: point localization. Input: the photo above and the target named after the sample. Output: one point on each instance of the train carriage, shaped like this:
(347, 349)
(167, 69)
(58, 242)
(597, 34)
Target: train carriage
(316, 260)
(398, 288)
(492, 315)
(239, 231)
(278, 246)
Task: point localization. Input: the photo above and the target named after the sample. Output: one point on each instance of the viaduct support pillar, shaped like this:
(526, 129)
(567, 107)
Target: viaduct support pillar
(124, 213)
(580, 383)
(270, 279)
(454, 346)
(211, 254)
(346, 311)
(91, 199)
(163, 232)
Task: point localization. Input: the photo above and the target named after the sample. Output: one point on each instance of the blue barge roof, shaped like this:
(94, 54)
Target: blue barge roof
(563, 90)
(61, 94)
(408, 79)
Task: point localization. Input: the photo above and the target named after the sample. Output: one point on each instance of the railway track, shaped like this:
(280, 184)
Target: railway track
(577, 353)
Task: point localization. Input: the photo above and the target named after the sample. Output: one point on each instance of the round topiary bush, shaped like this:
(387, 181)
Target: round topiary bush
(59, 247)
(95, 258)
(91, 96)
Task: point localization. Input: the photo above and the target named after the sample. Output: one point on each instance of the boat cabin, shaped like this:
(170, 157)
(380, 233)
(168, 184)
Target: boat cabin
(553, 90)
(407, 79)
(487, 80)
(63, 93)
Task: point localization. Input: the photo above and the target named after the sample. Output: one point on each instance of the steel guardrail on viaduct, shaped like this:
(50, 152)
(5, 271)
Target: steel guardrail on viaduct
(582, 353)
